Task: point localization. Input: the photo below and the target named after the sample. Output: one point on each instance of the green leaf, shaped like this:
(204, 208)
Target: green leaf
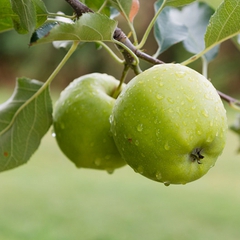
(89, 27)
(6, 14)
(213, 3)
(96, 5)
(25, 20)
(178, 3)
(224, 24)
(123, 6)
(41, 12)
(23, 15)
(24, 120)
(167, 31)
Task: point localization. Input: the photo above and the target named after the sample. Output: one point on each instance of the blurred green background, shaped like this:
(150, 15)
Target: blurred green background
(49, 199)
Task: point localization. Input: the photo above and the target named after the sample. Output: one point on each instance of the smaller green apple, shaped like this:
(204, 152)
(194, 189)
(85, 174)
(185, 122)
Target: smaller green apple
(169, 124)
(81, 122)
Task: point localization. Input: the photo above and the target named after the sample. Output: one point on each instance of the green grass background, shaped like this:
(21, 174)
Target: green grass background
(49, 199)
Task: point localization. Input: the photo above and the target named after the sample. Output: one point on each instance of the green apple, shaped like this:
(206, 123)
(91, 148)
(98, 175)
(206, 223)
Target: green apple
(81, 122)
(169, 124)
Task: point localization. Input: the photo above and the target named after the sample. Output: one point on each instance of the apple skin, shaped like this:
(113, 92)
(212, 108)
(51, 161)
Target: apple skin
(81, 122)
(169, 124)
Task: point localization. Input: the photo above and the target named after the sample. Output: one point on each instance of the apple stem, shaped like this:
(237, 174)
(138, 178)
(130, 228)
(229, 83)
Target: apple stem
(122, 80)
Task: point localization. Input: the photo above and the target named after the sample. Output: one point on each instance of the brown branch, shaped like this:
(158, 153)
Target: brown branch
(78, 7)
(118, 35)
(228, 99)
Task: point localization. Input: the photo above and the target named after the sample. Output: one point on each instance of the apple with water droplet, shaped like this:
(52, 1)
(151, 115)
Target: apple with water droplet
(81, 122)
(169, 124)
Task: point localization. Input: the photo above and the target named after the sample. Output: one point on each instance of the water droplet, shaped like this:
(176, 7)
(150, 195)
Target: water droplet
(136, 142)
(54, 134)
(180, 74)
(166, 146)
(207, 96)
(161, 84)
(209, 139)
(167, 183)
(199, 132)
(140, 127)
(158, 176)
(158, 132)
(97, 162)
(170, 100)
(190, 99)
(159, 97)
(193, 107)
(140, 169)
(205, 113)
(110, 170)
(111, 119)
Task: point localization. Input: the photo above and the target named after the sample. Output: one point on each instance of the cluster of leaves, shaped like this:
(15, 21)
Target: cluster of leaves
(27, 115)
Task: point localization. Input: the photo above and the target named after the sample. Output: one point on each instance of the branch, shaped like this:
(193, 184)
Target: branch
(78, 7)
(118, 35)
(230, 100)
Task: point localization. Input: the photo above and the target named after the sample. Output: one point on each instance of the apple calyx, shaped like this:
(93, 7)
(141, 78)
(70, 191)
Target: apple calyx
(196, 155)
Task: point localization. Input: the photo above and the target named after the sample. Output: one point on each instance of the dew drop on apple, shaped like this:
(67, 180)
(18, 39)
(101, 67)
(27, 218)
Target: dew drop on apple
(180, 74)
(140, 127)
(111, 119)
(161, 84)
(159, 97)
(158, 132)
(190, 99)
(170, 100)
(166, 146)
(136, 142)
(199, 132)
(158, 176)
(110, 170)
(53, 134)
(205, 113)
(139, 169)
(167, 183)
(97, 162)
